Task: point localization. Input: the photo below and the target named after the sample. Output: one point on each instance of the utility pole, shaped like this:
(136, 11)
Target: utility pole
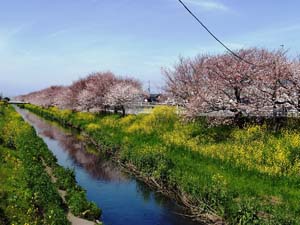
(149, 87)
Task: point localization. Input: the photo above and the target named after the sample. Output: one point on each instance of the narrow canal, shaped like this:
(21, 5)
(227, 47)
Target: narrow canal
(123, 199)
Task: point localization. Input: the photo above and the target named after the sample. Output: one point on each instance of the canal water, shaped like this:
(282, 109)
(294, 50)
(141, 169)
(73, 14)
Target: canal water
(123, 199)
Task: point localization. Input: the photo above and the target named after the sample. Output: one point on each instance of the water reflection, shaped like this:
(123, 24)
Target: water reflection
(97, 167)
(124, 200)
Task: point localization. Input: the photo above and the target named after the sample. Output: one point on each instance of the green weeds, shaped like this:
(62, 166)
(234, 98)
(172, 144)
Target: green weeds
(247, 176)
(27, 194)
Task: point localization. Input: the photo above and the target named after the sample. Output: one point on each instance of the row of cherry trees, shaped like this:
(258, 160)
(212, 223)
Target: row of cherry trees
(97, 92)
(264, 83)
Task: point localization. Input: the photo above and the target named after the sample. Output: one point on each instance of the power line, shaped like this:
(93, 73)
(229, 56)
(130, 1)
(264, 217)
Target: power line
(214, 36)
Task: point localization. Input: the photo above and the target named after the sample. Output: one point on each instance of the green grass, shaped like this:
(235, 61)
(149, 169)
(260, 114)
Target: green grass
(246, 176)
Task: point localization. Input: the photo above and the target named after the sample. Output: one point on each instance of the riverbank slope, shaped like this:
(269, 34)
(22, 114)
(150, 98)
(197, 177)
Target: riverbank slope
(28, 195)
(246, 176)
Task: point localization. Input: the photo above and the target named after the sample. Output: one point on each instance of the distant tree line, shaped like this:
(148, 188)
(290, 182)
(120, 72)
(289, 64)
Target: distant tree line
(97, 92)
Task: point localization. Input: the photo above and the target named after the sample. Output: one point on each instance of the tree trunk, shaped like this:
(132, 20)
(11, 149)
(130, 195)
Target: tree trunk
(238, 117)
(237, 93)
(123, 110)
(239, 120)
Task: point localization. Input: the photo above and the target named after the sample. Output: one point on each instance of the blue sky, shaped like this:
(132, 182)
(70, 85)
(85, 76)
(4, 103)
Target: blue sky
(47, 42)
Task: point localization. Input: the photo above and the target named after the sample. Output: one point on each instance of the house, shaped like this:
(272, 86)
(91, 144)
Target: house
(154, 98)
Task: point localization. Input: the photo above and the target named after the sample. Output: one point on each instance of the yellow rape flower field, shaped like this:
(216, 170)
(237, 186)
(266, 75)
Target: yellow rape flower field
(244, 176)
(27, 194)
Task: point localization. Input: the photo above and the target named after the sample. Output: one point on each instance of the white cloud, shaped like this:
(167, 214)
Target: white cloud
(8, 35)
(209, 5)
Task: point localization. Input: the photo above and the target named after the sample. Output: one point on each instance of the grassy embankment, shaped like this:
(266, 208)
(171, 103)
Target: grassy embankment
(245, 176)
(27, 195)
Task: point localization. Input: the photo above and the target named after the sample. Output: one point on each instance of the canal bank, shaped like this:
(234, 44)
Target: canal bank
(123, 199)
(219, 170)
(28, 193)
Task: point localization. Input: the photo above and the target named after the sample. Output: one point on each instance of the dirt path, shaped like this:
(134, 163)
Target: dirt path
(73, 219)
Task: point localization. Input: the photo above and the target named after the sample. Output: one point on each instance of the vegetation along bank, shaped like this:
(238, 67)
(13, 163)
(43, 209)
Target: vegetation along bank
(223, 174)
(28, 193)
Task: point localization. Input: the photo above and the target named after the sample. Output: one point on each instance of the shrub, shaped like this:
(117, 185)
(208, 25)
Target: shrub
(80, 206)
(65, 178)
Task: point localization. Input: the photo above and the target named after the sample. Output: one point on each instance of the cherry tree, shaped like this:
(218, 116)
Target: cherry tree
(74, 93)
(230, 83)
(210, 84)
(36, 98)
(216, 85)
(226, 85)
(124, 94)
(184, 82)
(92, 96)
(274, 82)
(50, 95)
(63, 99)
(86, 94)
(294, 90)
